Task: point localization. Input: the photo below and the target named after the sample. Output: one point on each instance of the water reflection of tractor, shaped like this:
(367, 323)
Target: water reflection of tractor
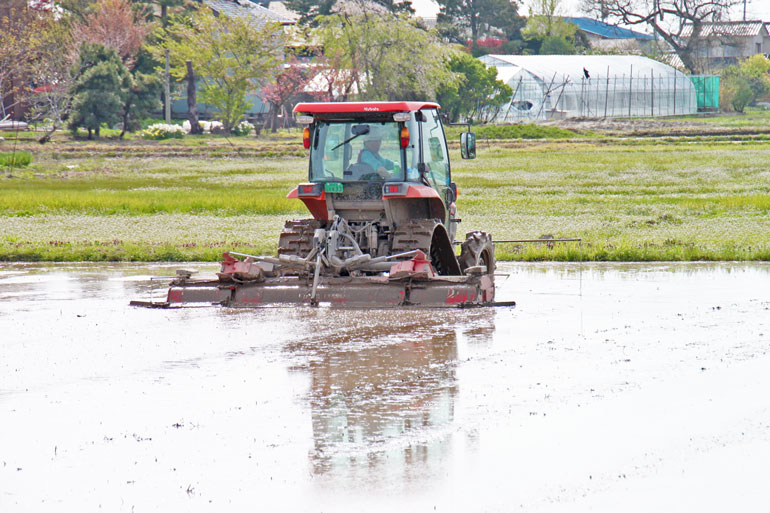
(384, 220)
(383, 389)
(393, 399)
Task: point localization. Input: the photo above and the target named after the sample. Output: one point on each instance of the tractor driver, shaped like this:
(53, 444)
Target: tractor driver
(370, 155)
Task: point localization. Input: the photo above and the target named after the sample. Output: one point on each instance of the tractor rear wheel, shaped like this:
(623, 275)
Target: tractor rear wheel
(478, 250)
(430, 237)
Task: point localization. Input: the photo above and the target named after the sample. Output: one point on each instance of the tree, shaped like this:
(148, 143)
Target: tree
(672, 20)
(546, 31)
(734, 90)
(168, 8)
(290, 83)
(192, 100)
(390, 57)
(113, 24)
(141, 93)
(742, 84)
(75, 8)
(477, 92)
(479, 16)
(17, 55)
(230, 55)
(52, 74)
(756, 69)
(336, 81)
(396, 7)
(98, 93)
(165, 6)
(310, 10)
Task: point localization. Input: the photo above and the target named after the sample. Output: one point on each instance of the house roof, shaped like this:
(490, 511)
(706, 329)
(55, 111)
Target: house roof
(728, 28)
(605, 30)
(277, 7)
(247, 9)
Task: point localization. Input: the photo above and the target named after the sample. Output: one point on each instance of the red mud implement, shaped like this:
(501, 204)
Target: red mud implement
(256, 282)
(384, 222)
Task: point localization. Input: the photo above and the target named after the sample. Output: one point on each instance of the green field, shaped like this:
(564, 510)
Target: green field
(628, 198)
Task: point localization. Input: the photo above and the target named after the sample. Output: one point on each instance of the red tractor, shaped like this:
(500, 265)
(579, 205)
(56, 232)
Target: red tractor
(382, 198)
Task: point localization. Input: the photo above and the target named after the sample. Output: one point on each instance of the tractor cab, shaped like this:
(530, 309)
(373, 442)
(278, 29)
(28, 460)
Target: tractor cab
(362, 153)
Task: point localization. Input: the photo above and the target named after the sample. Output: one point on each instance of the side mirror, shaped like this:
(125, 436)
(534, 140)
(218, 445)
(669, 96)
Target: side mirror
(468, 145)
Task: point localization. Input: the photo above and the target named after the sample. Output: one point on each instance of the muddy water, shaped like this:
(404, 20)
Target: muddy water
(643, 387)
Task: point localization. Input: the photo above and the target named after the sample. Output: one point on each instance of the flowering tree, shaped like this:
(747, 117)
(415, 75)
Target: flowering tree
(113, 24)
(334, 81)
(290, 83)
(17, 52)
(52, 75)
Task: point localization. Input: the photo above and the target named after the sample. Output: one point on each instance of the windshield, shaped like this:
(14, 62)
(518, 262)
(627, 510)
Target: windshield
(351, 151)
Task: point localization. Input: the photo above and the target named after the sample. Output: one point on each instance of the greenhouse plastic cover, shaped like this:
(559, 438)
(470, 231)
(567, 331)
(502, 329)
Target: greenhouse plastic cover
(557, 86)
(545, 67)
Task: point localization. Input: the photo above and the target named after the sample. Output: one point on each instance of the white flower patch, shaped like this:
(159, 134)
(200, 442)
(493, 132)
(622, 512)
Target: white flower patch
(243, 128)
(162, 131)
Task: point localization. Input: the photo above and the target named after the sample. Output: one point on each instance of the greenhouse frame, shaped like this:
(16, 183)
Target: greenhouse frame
(590, 86)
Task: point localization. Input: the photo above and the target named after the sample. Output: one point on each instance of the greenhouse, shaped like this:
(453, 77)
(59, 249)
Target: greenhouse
(590, 86)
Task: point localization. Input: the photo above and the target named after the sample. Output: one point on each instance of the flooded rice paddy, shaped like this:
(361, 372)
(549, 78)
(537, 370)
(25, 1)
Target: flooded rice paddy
(609, 387)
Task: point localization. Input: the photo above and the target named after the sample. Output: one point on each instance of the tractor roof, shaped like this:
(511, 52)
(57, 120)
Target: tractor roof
(362, 107)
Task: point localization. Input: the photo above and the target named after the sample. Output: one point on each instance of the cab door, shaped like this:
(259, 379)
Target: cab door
(436, 157)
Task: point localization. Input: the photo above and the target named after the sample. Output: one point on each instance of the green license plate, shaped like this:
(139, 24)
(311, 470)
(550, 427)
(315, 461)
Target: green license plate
(333, 187)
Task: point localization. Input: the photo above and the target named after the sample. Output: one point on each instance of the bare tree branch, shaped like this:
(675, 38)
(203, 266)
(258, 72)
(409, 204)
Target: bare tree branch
(678, 22)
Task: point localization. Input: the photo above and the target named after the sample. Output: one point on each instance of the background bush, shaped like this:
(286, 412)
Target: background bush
(741, 85)
(15, 159)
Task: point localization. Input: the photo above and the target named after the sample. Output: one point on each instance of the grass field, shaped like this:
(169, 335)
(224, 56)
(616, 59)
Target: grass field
(628, 199)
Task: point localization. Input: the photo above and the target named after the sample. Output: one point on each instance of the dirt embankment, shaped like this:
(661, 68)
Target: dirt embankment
(661, 127)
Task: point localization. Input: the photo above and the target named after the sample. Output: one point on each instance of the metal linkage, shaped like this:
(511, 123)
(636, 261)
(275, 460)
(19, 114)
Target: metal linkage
(536, 240)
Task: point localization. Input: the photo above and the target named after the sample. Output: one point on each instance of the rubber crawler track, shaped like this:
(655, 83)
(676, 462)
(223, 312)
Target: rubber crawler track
(297, 237)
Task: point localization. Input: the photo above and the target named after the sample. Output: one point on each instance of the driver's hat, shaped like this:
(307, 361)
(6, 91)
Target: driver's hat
(375, 133)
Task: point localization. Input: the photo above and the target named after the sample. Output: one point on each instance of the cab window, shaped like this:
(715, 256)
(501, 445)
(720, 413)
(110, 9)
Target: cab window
(353, 151)
(435, 150)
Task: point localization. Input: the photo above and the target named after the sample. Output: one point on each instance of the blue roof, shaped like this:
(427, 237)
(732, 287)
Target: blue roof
(605, 30)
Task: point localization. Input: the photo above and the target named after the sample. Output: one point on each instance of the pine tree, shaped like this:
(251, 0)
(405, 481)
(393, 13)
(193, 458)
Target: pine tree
(143, 92)
(99, 89)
